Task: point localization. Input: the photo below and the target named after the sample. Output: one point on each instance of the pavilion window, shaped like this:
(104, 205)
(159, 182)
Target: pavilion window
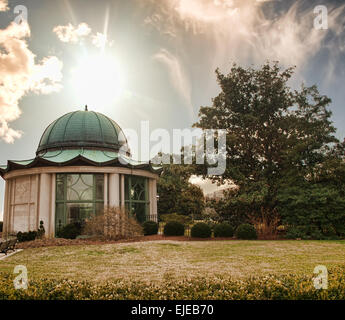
(136, 197)
(78, 197)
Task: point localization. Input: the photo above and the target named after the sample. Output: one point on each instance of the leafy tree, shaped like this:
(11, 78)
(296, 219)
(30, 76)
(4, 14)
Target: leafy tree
(276, 136)
(176, 193)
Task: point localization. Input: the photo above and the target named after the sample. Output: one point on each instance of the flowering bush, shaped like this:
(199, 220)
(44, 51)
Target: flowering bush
(272, 287)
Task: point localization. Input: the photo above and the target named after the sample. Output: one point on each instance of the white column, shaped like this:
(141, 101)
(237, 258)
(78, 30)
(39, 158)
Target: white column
(52, 206)
(153, 199)
(114, 190)
(44, 206)
(6, 208)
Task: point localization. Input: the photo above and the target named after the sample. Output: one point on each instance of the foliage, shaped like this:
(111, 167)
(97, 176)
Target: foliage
(150, 228)
(270, 287)
(176, 217)
(177, 194)
(275, 136)
(26, 236)
(246, 231)
(113, 223)
(70, 231)
(313, 211)
(31, 235)
(201, 230)
(223, 230)
(173, 228)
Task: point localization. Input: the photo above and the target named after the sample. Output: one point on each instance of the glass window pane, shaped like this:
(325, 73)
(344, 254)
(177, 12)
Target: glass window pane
(99, 186)
(139, 211)
(127, 187)
(77, 212)
(60, 220)
(60, 187)
(138, 189)
(80, 187)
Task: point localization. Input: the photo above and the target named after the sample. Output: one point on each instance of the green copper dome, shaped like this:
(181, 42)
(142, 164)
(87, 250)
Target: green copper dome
(82, 129)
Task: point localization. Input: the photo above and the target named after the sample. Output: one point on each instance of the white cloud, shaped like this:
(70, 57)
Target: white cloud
(100, 40)
(3, 5)
(71, 33)
(74, 34)
(20, 74)
(240, 30)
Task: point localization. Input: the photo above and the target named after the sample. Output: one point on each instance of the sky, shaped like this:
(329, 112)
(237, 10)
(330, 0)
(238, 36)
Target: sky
(152, 60)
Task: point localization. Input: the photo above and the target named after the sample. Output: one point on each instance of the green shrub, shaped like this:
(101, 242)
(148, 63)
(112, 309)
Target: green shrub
(1, 225)
(174, 228)
(223, 230)
(26, 236)
(246, 231)
(70, 231)
(176, 217)
(201, 230)
(150, 228)
(31, 235)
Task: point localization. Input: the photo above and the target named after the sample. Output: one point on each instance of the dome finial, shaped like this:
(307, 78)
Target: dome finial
(86, 108)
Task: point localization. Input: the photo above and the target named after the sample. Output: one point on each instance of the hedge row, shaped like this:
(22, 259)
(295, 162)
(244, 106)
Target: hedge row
(203, 230)
(288, 287)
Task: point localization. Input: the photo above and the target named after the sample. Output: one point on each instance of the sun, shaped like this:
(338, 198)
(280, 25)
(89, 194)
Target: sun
(97, 80)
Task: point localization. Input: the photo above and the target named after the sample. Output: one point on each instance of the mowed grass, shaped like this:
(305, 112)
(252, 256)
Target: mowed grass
(162, 260)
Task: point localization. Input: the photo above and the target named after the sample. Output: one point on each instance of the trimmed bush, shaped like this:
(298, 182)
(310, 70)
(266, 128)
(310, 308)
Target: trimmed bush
(201, 230)
(70, 231)
(26, 236)
(223, 230)
(174, 228)
(246, 232)
(1, 224)
(150, 228)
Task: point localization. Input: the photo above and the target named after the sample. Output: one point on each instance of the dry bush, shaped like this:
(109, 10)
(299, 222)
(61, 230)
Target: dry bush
(113, 223)
(266, 224)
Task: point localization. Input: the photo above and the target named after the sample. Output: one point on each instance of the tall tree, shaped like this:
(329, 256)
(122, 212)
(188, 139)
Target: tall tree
(274, 133)
(177, 194)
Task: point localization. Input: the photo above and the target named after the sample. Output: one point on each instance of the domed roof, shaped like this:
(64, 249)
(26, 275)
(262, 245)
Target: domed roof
(82, 129)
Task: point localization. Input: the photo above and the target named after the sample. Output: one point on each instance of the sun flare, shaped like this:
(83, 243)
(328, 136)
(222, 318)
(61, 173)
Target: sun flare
(98, 80)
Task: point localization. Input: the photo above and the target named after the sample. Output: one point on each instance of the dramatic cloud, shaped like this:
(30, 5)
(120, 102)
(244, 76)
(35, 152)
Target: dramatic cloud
(71, 33)
(20, 74)
(244, 31)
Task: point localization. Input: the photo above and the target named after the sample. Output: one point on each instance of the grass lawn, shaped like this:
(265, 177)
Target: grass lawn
(162, 260)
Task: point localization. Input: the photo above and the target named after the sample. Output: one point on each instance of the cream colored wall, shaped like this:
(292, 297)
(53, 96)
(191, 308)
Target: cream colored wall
(21, 204)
